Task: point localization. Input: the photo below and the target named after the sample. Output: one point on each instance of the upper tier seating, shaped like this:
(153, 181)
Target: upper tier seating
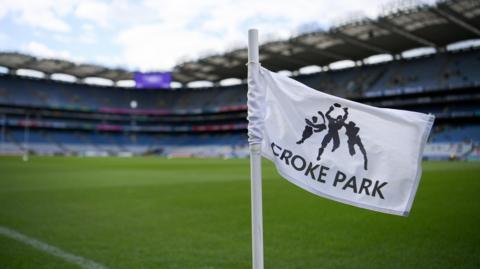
(443, 70)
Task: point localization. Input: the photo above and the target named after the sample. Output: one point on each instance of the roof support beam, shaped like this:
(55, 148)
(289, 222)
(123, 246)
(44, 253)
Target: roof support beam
(206, 62)
(186, 78)
(319, 52)
(26, 64)
(454, 17)
(293, 59)
(243, 60)
(192, 74)
(115, 78)
(219, 68)
(235, 57)
(71, 71)
(385, 24)
(358, 43)
(266, 52)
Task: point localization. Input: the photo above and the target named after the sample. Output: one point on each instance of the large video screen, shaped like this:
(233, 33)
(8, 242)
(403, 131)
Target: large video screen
(153, 80)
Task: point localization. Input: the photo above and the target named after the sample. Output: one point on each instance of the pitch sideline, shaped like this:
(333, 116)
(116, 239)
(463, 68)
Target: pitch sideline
(52, 250)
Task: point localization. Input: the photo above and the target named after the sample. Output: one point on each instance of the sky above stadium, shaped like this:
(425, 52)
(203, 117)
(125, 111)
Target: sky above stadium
(155, 35)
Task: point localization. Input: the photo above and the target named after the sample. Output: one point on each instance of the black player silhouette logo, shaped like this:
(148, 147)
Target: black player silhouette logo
(354, 139)
(333, 127)
(312, 127)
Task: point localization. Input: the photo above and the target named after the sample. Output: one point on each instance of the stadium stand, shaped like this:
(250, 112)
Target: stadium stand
(45, 116)
(79, 119)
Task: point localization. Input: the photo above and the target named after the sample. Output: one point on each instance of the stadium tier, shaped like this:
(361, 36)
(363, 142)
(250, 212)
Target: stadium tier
(50, 117)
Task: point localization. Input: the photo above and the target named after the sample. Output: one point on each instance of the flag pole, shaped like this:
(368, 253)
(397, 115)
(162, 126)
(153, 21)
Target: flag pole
(255, 171)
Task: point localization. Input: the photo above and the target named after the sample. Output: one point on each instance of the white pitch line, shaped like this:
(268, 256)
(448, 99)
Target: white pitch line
(71, 258)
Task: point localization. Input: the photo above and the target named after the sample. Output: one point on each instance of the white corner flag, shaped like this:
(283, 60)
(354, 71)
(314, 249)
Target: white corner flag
(349, 152)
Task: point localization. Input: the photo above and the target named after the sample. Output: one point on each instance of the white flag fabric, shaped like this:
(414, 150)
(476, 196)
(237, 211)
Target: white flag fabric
(346, 151)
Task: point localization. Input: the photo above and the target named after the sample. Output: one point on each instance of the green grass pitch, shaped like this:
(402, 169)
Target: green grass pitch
(191, 213)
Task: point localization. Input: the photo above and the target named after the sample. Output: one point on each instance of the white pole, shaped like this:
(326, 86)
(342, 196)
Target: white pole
(256, 173)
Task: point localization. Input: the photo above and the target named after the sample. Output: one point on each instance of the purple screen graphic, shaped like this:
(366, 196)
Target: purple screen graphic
(152, 80)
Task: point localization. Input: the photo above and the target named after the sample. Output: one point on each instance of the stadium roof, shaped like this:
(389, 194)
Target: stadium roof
(398, 29)
(51, 66)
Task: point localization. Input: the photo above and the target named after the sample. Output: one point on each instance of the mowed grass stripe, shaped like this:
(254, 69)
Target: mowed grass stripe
(111, 172)
(202, 219)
